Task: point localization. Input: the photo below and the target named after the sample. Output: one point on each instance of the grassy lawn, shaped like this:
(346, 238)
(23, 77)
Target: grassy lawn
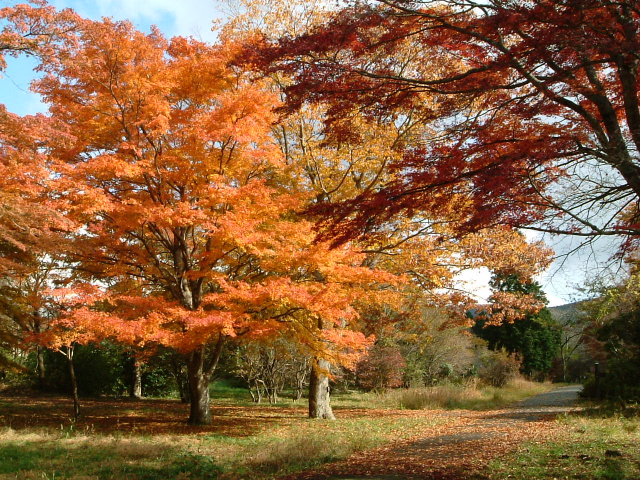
(119, 438)
(593, 444)
(286, 444)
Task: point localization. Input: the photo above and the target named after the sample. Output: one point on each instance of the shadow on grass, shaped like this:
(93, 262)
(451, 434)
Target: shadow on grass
(149, 416)
(48, 460)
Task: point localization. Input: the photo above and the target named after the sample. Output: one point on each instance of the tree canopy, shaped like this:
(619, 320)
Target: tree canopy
(533, 107)
(185, 211)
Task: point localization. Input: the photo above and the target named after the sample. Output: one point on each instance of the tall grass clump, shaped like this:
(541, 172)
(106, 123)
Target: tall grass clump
(470, 395)
(304, 451)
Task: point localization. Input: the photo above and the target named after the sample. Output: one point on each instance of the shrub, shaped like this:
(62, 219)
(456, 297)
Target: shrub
(498, 368)
(619, 383)
(621, 338)
(381, 369)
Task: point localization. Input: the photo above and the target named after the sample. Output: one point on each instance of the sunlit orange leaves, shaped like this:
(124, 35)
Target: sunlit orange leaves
(188, 227)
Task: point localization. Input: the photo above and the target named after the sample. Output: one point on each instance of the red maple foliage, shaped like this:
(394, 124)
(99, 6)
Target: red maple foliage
(534, 106)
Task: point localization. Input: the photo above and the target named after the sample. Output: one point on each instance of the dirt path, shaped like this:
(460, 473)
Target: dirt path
(464, 446)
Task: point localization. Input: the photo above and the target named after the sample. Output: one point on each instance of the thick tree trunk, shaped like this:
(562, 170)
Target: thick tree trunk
(42, 379)
(199, 370)
(74, 385)
(200, 413)
(136, 380)
(319, 398)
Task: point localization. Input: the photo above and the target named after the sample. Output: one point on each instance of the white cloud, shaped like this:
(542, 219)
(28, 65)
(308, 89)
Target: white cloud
(173, 17)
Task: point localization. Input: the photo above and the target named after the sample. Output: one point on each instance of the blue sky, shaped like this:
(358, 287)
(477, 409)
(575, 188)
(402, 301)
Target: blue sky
(173, 17)
(194, 18)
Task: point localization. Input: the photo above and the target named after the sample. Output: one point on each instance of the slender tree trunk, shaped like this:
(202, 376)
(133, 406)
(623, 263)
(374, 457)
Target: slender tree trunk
(42, 379)
(183, 390)
(319, 398)
(259, 390)
(564, 364)
(136, 379)
(37, 328)
(182, 382)
(74, 384)
(255, 392)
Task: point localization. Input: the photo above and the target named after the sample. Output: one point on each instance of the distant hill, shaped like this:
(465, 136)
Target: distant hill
(566, 311)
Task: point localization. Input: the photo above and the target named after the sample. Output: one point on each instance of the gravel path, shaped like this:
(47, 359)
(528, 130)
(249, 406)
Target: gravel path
(561, 397)
(473, 438)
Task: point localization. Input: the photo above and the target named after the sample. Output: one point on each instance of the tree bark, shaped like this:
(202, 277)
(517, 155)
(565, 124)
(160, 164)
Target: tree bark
(319, 392)
(74, 384)
(200, 413)
(136, 379)
(42, 379)
(199, 370)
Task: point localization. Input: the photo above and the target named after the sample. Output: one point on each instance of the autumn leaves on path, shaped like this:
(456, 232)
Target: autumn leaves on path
(456, 449)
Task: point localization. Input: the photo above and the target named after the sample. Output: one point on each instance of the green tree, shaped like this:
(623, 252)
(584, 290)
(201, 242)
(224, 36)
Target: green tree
(535, 337)
(621, 339)
(614, 317)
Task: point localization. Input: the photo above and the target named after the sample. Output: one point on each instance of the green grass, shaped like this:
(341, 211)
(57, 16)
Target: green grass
(42, 455)
(306, 444)
(597, 444)
(224, 392)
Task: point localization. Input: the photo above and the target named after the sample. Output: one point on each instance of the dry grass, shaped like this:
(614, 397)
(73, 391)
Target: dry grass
(470, 396)
(42, 454)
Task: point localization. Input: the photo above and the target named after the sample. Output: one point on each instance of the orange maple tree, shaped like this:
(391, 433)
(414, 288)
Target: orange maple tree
(29, 225)
(32, 232)
(165, 159)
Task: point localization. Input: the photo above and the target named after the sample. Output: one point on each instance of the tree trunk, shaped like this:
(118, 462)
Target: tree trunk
(183, 390)
(200, 370)
(200, 413)
(42, 379)
(319, 406)
(37, 328)
(136, 379)
(74, 384)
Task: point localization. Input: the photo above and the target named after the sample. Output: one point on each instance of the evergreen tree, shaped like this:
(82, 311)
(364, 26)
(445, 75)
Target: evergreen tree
(535, 338)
